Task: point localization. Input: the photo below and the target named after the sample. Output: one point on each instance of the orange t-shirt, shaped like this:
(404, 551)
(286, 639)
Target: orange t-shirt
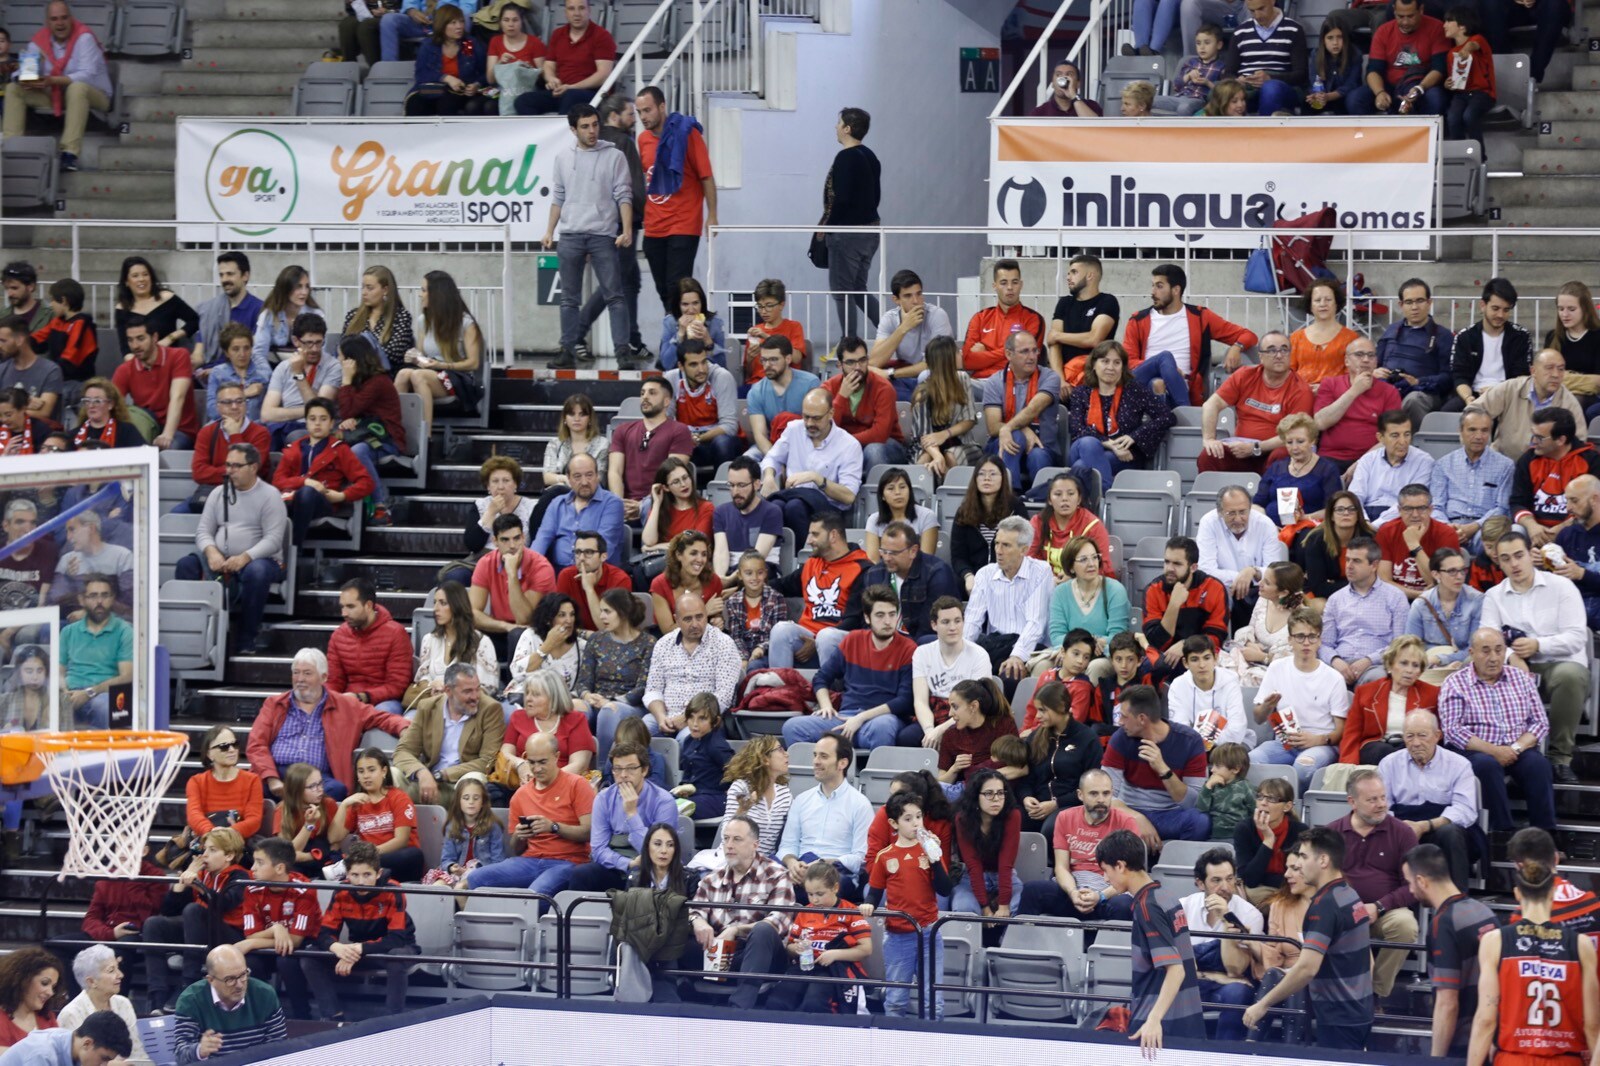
(1315, 362)
(786, 327)
(565, 802)
(678, 215)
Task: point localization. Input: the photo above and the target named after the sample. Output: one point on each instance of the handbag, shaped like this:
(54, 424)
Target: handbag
(505, 773)
(818, 251)
(1259, 273)
(372, 434)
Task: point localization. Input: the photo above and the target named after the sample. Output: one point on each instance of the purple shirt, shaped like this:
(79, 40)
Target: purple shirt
(1372, 862)
(1361, 627)
(300, 737)
(1495, 714)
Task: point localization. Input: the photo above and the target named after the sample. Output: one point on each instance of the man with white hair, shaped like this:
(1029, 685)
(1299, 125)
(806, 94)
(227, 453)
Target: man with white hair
(451, 739)
(313, 724)
(1433, 791)
(1237, 544)
(90, 554)
(1010, 602)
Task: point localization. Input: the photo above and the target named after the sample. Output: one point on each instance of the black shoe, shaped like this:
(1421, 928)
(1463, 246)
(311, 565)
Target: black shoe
(567, 360)
(581, 350)
(69, 162)
(1563, 774)
(253, 646)
(1129, 50)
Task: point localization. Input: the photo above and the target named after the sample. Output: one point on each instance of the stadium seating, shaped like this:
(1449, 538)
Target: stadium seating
(327, 90)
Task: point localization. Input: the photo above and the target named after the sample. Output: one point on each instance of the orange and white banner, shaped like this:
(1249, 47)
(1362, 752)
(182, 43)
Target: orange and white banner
(1101, 178)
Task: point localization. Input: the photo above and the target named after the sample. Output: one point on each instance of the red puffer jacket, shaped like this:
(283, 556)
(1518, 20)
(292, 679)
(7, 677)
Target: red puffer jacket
(375, 660)
(793, 693)
(115, 902)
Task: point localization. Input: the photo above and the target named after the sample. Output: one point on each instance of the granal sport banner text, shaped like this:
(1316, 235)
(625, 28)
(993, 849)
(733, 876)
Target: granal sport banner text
(1100, 178)
(283, 176)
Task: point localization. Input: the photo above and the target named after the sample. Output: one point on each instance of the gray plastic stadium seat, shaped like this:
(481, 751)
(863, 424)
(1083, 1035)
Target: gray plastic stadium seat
(100, 16)
(327, 90)
(1180, 450)
(1144, 566)
(176, 540)
(1175, 869)
(28, 172)
(25, 18)
(1515, 89)
(194, 629)
(1441, 433)
(1463, 179)
(1019, 701)
(884, 763)
(953, 489)
(483, 936)
(151, 28)
(430, 831)
(588, 944)
(1110, 970)
(963, 964)
(383, 94)
(434, 918)
(667, 748)
(1260, 772)
(1033, 861)
(922, 487)
(1312, 13)
(1035, 959)
(372, 738)
(176, 482)
(415, 465)
(1142, 503)
(1122, 71)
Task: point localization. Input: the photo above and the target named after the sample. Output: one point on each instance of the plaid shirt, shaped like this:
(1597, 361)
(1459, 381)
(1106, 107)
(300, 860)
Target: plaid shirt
(1213, 72)
(300, 737)
(1464, 491)
(1495, 714)
(765, 883)
(774, 609)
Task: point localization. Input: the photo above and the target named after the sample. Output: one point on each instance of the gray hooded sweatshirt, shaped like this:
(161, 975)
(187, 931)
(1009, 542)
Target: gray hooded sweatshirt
(590, 185)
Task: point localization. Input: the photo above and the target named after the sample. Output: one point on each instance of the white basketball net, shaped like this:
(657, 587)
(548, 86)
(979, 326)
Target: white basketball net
(110, 798)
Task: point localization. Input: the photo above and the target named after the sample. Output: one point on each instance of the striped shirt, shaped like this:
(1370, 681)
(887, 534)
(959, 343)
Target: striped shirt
(770, 816)
(1495, 714)
(1356, 626)
(1467, 491)
(1135, 783)
(1453, 937)
(1019, 605)
(1338, 928)
(1278, 49)
(300, 736)
(1160, 939)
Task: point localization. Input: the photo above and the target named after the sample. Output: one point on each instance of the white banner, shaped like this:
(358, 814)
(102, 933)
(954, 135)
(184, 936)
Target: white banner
(1101, 178)
(279, 177)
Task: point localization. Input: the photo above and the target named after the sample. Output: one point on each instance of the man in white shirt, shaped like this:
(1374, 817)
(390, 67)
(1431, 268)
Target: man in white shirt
(813, 465)
(1223, 965)
(936, 668)
(1237, 544)
(1201, 690)
(1542, 617)
(1010, 602)
(1304, 692)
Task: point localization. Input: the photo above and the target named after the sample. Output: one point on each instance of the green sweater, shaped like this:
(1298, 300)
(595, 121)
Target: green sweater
(1228, 806)
(258, 1020)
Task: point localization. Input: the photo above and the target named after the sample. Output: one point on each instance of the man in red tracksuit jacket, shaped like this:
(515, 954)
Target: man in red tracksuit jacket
(1170, 617)
(369, 656)
(1540, 478)
(1157, 348)
(118, 909)
(233, 426)
(983, 352)
(319, 471)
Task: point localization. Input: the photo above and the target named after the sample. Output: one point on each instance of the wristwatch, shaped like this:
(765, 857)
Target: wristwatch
(299, 377)
(1167, 776)
(1255, 448)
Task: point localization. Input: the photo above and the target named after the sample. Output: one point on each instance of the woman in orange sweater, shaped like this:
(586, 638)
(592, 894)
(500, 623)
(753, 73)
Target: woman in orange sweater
(1316, 350)
(222, 788)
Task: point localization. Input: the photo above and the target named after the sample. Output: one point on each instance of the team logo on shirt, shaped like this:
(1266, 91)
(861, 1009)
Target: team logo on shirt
(824, 601)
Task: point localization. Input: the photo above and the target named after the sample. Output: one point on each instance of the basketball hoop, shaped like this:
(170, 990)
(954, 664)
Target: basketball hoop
(110, 783)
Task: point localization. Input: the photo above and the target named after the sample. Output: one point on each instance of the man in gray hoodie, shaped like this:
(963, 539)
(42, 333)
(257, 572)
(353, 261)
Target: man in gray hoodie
(241, 538)
(591, 191)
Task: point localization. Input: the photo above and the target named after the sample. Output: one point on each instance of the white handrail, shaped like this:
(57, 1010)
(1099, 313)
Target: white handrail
(1041, 49)
(632, 54)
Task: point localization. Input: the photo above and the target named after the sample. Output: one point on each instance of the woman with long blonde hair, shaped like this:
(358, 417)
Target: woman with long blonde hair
(1577, 338)
(382, 316)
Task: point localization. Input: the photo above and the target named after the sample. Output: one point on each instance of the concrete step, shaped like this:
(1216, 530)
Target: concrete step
(1543, 217)
(1569, 161)
(274, 32)
(278, 82)
(1554, 106)
(129, 238)
(156, 184)
(168, 107)
(324, 602)
(254, 60)
(151, 134)
(456, 479)
(255, 10)
(1575, 133)
(1544, 191)
(398, 541)
(1541, 249)
(107, 208)
(290, 637)
(135, 157)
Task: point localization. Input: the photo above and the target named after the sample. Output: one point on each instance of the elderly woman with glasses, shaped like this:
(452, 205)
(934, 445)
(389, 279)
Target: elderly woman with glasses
(1313, 479)
(1263, 843)
(1445, 617)
(1376, 724)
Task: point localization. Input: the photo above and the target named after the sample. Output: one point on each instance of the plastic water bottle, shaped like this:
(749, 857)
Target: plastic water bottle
(1317, 89)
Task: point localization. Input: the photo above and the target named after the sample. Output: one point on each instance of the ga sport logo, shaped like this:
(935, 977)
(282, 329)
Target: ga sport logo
(252, 181)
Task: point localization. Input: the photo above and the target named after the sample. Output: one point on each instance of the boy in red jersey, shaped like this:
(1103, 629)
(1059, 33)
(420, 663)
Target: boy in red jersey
(838, 945)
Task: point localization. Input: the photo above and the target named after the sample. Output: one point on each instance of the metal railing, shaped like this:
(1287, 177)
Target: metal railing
(1095, 42)
(564, 967)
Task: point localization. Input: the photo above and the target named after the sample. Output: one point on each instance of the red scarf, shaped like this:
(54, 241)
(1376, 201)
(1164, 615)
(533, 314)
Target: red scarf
(1011, 392)
(108, 436)
(1280, 832)
(27, 437)
(1098, 411)
(58, 67)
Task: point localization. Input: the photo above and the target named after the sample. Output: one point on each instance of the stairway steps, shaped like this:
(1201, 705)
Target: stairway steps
(244, 60)
(265, 33)
(1575, 133)
(114, 157)
(1515, 248)
(106, 208)
(280, 82)
(1544, 191)
(167, 106)
(120, 185)
(1574, 161)
(1564, 105)
(150, 134)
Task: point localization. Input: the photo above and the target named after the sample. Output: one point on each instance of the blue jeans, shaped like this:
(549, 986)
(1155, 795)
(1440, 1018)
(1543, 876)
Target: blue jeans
(1090, 453)
(718, 450)
(1024, 464)
(606, 722)
(799, 504)
(248, 590)
(1463, 120)
(900, 964)
(394, 28)
(1180, 823)
(963, 901)
(1230, 1023)
(1152, 23)
(628, 263)
(545, 102)
(599, 251)
(1363, 101)
(1162, 365)
(810, 728)
(787, 637)
(1275, 96)
(889, 453)
(1044, 896)
(1531, 771)
(1305, 763)
(547, 876)
(369, 459)
(94, 714)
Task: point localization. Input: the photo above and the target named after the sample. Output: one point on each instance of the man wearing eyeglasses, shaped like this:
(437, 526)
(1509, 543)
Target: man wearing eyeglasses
(98, 651)
(586, 507)
(1409, 542)
(864, 406)
(227, 1011)
(814, 465)
(1348, 405)
(1414, 353)
(1262, 396)
(299, 379)
(211, 446)
(1517, 402)
(590, 577)
(1219, 905)
(1237, 544)
(1539, 482)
